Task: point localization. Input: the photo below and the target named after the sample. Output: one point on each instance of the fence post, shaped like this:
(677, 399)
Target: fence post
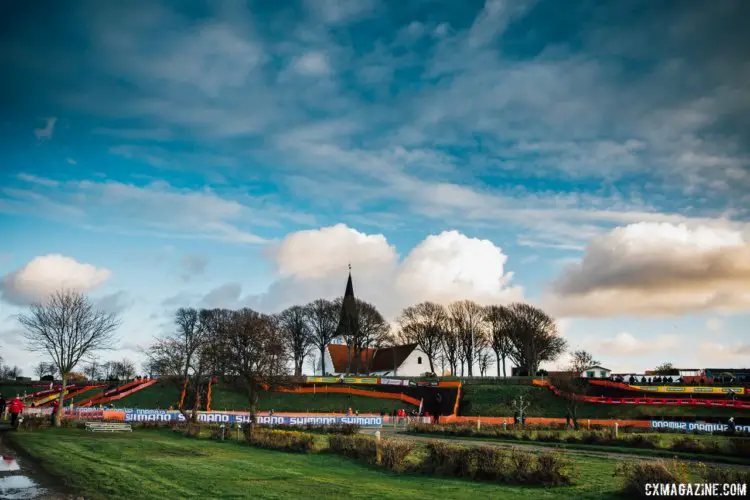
(479, 424)
(616, 425)
(588, 424)
(505, 425)
(377, 436)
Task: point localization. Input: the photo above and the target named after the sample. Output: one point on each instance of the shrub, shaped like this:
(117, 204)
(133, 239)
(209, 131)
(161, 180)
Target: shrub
(636, 475)
(495, 464)
(739, 447)
(687, 444)
(299, 442)
(358, 447)
(643, 441)
(338, 428)
(393, 453)
(725, 475)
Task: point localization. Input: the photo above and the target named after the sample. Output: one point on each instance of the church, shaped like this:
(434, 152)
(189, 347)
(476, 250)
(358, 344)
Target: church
(403, 360)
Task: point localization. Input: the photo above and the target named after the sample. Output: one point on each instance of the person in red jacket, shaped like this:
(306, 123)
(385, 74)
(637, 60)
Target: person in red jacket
(55, 406)
(15, 408)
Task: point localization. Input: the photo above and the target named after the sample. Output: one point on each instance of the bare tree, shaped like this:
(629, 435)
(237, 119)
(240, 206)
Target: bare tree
(570, 383)
(322, 318)
(534, 337)
(424, 324)
(450, 347)
(179, 355)
(93, 369)
(255, 352)
(499, 319)
(468, 321)
(374, 333)
(294, 327)
(485, 361)
(124, 369)
(44, 368)
(68, 328)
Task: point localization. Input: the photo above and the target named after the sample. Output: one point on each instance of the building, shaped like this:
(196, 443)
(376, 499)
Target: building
(596, 371)
(403, 360)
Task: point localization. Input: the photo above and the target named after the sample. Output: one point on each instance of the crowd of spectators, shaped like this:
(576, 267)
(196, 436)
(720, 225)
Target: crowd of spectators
(673, 380)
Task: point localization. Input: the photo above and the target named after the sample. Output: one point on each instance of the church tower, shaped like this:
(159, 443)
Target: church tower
(348, 328)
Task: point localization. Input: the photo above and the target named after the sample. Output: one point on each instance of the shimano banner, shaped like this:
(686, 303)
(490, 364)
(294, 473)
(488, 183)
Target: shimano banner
(696, 426)
(232, 418)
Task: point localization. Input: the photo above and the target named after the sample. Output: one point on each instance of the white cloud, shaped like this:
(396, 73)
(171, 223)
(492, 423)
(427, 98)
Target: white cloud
(657, 269)
(33, 179)
(624, 344)
(442, 268)
(46, 274)
(157, 206)
(312, 64)
(714, 324)
(48, 130)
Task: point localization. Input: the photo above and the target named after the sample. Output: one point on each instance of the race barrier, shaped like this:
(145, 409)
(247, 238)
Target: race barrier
(674, 389)
(544, 421)
(381, 381)
(349, 390)
(696, 426)
(244, 418)
(121, 392)
(726, 403)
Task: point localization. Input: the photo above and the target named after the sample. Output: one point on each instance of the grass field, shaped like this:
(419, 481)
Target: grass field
(159, 464)
(224, 398)
(497, 400)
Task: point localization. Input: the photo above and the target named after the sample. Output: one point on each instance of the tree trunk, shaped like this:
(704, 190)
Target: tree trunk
(194, 415)
(432, 366)
(497, 356)
(322, 361)
(61, 406)
(504, 374)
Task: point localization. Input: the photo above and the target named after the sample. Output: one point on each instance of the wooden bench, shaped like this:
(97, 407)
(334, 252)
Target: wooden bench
(108, 427)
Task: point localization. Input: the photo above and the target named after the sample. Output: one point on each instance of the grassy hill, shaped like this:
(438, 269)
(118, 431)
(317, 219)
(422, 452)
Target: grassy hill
(162, 395)
(496, 400)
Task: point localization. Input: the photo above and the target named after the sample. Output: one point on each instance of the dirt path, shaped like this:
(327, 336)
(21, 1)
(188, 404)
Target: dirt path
(532, 447)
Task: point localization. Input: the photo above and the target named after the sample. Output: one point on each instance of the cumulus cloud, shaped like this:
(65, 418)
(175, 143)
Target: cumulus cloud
(442, 268)
(657, 269)
(625, 344)
(45, 274)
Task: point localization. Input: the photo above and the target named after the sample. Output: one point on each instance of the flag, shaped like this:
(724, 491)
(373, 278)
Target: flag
(421, 402)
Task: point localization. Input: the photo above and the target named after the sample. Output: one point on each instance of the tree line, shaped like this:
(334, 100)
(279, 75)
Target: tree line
(254, 349)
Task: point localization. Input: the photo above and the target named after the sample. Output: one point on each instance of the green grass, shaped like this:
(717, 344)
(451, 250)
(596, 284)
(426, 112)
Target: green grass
(160, 464)
(662, 453)
(162, 395)
(497, 400)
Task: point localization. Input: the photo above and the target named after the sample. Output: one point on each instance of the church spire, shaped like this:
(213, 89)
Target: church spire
(349, 321)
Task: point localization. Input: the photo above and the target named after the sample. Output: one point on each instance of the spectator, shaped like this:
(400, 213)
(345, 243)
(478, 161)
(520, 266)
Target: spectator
(55, 406)
(732, 426)
(567, 419)
(16, 408)
(270, 412)
(2, 407)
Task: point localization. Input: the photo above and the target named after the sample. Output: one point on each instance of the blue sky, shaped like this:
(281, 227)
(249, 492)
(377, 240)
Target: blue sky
(589, 158)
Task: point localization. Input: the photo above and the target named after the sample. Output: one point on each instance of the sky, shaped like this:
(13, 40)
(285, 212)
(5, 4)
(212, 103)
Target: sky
(591, 158)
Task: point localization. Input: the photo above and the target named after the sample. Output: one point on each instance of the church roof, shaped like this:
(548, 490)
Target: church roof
(376, 360)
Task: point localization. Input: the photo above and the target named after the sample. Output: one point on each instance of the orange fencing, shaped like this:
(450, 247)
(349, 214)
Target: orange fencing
(349, 390)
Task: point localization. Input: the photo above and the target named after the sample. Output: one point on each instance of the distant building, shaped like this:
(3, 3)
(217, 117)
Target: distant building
(402, 361)
(596, 371)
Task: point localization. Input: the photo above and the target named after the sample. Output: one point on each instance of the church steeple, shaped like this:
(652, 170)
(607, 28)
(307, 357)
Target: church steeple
(348, 327)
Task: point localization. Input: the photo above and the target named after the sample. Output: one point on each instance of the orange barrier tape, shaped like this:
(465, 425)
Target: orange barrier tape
(458, 398)
(349, 390)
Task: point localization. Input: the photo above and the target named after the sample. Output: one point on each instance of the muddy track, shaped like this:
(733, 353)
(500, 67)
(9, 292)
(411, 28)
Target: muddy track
(520, 444)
